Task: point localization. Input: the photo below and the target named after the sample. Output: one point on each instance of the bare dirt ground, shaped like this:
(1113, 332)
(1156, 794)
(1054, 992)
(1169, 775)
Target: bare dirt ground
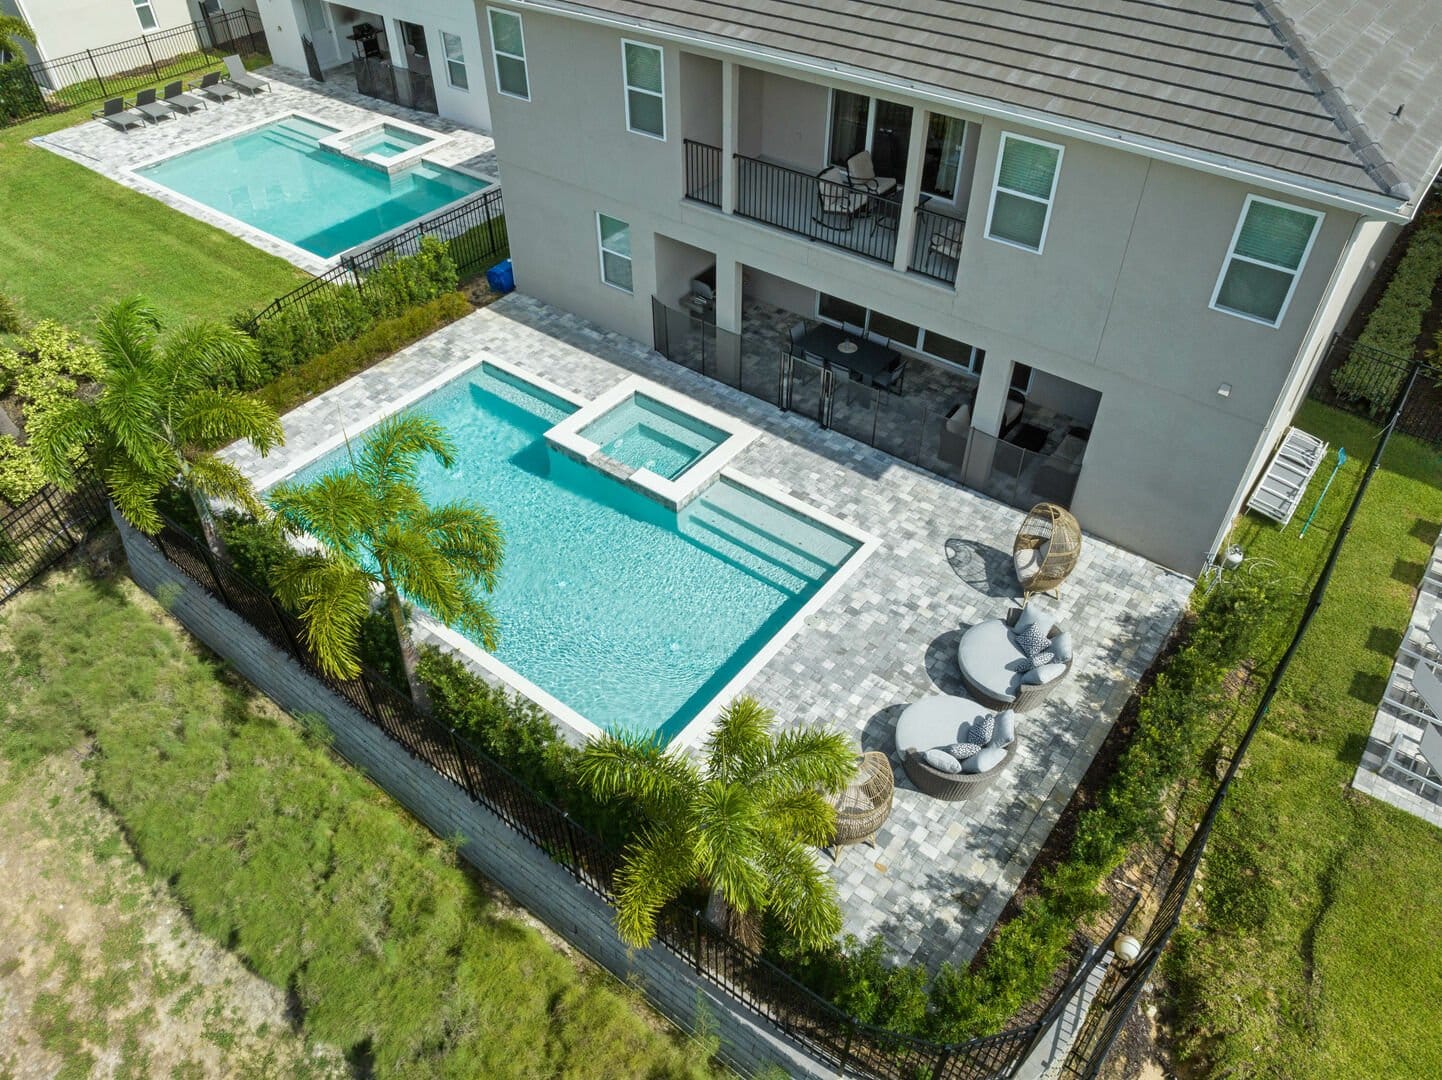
(101, 973)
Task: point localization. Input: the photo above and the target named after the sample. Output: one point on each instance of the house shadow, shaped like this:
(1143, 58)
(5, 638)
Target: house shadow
(1384, 639)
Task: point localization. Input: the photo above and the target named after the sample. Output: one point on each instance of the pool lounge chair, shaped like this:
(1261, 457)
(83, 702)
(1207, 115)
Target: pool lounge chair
(114, 113)
(180, 101)
(242, 79)
(155, 111)
(211, 87)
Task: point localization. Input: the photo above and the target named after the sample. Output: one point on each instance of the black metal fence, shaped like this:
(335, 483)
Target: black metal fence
(474, 231)
(409, 87)
(28, 90)
(42, 530)
(1369, 382)
(854, 1048)
(936, 245)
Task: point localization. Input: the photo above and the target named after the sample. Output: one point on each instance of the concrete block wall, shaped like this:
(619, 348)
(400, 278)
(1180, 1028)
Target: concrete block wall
(526, 873)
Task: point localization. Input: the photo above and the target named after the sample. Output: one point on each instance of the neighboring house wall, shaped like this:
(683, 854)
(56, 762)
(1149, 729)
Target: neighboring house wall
(63, 27)
(1118, 301)
(286, 20)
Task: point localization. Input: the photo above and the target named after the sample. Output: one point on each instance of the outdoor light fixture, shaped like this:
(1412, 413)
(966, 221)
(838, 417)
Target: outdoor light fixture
(1127, 949)
(1225, 390)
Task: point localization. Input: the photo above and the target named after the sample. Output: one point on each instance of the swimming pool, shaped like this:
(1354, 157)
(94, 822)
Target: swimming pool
(630, 614)
(280, 180)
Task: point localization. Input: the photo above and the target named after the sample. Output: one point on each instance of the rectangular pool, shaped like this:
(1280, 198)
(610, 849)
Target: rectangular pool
(645, 433)
(629, 613)
(279, 179)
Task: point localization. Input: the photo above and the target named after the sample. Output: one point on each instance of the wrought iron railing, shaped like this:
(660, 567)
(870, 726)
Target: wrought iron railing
(116, 70)
(854, 1048)
(703, 173)
(1368, 382)
(834, 213)
(936, 245)
(43, 529)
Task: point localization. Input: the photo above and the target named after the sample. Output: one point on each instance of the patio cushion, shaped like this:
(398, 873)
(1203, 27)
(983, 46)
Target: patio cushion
(959, 420)
(1031, 639)
(989, 758)
(1043, 658)
(982, 729)
(963, 750)
(991, 661)
(1005, 733)
(1035, 615)
(1061, 647)
(941, 761)
(1043, 675)
(939, 720)
(949, 246)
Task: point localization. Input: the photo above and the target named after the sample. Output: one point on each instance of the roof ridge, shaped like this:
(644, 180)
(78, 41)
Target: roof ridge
(1333, 98)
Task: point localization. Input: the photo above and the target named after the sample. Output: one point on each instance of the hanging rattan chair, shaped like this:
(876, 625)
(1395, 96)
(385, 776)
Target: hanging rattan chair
(1046, 550)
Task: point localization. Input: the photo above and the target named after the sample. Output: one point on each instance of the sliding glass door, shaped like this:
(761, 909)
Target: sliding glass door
(942, 167)
(862, 123)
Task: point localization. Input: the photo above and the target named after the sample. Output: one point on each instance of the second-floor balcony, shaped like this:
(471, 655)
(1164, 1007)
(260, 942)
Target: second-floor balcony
(862, 216)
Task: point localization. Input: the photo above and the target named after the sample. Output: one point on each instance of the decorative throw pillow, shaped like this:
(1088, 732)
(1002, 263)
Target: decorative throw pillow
(1043, 658)
(1061, 647)
(941, 761)
(1034, 614)
(1005, 733)
(1040, 676)
(1031, 639)
(989, 758)
(963, 750)
(982, 729)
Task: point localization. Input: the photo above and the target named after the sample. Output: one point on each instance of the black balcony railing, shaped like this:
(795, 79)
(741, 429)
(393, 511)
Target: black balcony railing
(703, 173)
(936, 245)
(798, 202)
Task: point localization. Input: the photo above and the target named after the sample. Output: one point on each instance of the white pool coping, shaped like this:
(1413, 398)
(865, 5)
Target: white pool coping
(431, 140)
(573, 725)
(307, 260)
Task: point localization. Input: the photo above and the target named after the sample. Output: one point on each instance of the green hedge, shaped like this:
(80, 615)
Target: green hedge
(1396, 321)
(1176, 719)
(339, 313)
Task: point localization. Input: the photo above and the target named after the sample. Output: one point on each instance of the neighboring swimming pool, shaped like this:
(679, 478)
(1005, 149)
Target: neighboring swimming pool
(280, 180)
(632, 615)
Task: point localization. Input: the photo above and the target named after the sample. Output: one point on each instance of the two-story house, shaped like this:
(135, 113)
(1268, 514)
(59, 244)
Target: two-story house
(1113, 236)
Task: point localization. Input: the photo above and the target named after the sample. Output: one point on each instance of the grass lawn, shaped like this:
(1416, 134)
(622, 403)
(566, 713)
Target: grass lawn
(389, 951)
(1318, 952)
(72, 241)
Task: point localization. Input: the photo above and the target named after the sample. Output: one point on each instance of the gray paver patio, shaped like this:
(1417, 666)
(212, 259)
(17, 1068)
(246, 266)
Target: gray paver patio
(113, 153)
(941, 872)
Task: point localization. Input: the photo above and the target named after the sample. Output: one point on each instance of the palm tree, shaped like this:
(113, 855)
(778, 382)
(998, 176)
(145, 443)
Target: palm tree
(159, 413)
(14, 30)
(742, 825)
(374, 528)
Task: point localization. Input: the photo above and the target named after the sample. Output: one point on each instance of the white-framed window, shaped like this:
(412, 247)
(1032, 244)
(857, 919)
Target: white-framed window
(1269, 247)
(455, 61)
(145, 14)
(508, 51)
(642, 70)
(614, 238)
(1022, 191)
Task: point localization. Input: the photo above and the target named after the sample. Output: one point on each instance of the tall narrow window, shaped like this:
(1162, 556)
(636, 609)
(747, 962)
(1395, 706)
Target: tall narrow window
(1021, 196)
(146, 15)
(508, 49)
(455, 61)
(645, 89)
(1269, 247)
(944, 137)
(615, 239)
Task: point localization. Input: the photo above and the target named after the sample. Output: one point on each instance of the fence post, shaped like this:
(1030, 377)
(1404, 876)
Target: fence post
(96, 67)
(943, 1062)
(846, 1046)
(59, 517)
(461, 765)
(153, 65)
(214, 574)
(696, 940)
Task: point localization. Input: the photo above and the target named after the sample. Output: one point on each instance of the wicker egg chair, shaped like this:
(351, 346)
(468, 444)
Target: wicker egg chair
(863, 807)
(1046, 550)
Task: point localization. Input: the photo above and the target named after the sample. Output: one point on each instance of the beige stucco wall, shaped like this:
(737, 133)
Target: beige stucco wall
(1117, 301)
(63, 27)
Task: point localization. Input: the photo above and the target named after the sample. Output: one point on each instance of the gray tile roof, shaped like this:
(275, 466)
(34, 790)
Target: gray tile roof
(1303, 86)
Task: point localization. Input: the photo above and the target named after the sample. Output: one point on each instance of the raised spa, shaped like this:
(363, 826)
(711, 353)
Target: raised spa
(644, 433)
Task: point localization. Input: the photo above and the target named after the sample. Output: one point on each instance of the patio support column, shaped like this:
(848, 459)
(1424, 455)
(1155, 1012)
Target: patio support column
(730, 99)
(910, 190)
(986, 418)
(728, 318)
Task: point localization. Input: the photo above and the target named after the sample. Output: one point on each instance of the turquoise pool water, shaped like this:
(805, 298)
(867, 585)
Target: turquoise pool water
(387, 142)
(632, 615)
(279, 179)
(644, 433)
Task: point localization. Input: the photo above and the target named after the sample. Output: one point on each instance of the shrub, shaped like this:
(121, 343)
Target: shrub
(9, 316)
(1396, 321)
(46, 369)
(321, 372)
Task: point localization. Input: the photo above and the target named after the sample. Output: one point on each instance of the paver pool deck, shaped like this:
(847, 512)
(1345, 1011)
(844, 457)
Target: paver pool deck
(112, 153)
(941, 872)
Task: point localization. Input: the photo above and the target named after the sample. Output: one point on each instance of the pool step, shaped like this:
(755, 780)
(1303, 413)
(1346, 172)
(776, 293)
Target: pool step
(295, 140)
(764, 538)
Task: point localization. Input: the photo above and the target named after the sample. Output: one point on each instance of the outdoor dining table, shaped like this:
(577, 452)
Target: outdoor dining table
(836, 348)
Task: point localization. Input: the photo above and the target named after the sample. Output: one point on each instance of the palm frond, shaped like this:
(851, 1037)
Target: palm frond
(391, 454)
(335, 508)
(657, 866)
(126, 333)
(805, 757)
(134, 491)
(740, 738)
(469, 538)
(728, 844)
(637, 766)
(802, 895)
(333, 597)
(196, 353)
(215, 478)
(803, 815)
(67, 428)
(210, 418)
